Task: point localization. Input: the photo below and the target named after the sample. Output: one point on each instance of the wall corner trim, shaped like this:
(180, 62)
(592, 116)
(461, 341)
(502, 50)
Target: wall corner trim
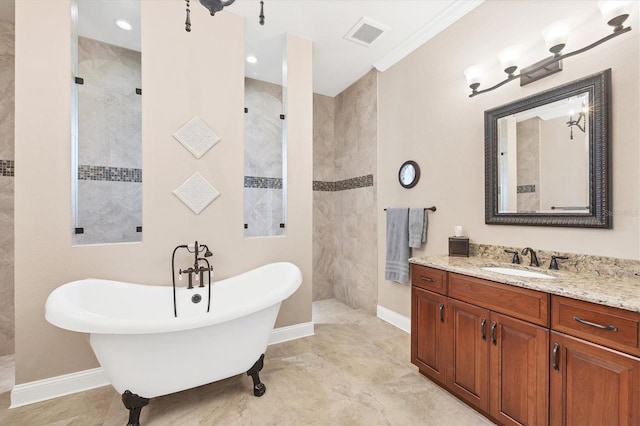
(394, 318)
(55, 387)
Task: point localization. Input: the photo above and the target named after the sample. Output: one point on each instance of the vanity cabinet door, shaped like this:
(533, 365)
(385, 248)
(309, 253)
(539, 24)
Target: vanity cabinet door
(429, 334)
(468, 372)
(519, 372)
(592, 385)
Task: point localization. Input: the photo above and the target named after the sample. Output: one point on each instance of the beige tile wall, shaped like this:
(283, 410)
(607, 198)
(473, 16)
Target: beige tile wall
(345, 241)
(323, 201)
(7, 48)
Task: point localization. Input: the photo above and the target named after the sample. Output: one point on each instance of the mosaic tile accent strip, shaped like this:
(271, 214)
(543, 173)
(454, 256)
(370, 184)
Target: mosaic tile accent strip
(7, 168)
(197, 137)
(196, 193)
(319, 185)
(109, 174)
(524, 189)
(262, 182)
(343, 185)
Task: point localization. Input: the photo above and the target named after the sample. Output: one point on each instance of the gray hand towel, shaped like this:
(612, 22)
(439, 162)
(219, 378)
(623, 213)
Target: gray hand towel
(417, 227)
(397, 263)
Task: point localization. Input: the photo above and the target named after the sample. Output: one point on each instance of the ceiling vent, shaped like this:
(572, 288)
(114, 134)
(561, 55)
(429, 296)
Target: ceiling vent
(366, 31)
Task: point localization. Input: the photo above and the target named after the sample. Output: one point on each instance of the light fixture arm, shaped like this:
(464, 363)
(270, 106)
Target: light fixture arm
(545, 63)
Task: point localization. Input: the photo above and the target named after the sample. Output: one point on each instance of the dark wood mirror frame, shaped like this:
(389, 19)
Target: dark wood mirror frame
(599, 216)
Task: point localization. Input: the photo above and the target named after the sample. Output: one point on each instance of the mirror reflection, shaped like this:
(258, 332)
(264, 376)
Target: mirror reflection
(264, 139)
(544, 158)
(107, 131)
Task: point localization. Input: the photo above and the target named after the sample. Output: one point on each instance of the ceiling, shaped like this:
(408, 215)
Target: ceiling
(337, 63)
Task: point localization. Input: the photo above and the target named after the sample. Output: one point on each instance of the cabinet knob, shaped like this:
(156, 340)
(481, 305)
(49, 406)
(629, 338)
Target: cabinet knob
(483, 331)
(441, 312)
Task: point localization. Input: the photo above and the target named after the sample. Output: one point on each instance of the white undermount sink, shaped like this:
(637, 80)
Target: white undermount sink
(517, 272)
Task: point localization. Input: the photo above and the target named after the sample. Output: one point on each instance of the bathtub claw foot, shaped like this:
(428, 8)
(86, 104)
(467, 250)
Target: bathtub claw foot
(134, 404)
(258, 387)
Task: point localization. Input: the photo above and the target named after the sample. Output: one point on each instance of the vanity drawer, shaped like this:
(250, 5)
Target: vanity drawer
(429, 279)
(522, 303)
(612, 327)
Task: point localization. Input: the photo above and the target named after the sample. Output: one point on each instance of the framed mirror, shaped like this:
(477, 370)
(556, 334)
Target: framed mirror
(547, 157)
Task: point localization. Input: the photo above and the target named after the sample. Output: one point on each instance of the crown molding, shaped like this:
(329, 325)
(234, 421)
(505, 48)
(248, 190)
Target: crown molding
(447, 17)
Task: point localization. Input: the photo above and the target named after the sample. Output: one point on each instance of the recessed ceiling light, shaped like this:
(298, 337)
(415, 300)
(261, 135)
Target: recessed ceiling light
(123, 24)
(252, 59)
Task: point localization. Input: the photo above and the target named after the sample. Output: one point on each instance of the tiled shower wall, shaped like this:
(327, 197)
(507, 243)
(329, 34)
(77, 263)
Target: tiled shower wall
(345, 239)
(109, 144)
(7, 96)
(263, 132)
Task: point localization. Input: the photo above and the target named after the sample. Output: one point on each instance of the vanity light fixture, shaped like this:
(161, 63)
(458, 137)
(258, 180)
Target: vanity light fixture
(556, 35)
(216, 6)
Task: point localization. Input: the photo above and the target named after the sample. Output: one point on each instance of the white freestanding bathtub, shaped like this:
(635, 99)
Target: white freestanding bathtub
(147, 351)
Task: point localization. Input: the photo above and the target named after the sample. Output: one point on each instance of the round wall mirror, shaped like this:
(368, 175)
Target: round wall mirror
(409, 174)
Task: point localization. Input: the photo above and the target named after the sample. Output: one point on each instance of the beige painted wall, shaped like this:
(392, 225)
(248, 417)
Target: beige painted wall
(425, 115)
(183, 74)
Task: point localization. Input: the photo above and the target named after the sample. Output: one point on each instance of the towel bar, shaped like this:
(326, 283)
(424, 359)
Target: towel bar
(432, 208)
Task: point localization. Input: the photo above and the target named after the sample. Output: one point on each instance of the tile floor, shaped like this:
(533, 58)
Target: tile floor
(355, 370)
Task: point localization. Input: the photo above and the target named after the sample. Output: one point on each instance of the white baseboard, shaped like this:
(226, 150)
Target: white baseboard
(394, 318)
(54, 387)
(292, 332)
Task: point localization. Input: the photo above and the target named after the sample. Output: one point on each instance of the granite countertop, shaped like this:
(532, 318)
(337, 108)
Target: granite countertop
(592, 285)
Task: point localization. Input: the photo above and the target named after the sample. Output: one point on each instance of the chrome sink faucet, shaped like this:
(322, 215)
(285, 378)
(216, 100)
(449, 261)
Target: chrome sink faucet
(534, 258)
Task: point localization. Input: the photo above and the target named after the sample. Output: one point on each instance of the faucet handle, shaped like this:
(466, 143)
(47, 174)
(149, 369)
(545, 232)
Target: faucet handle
(554, 262)
(516, 257)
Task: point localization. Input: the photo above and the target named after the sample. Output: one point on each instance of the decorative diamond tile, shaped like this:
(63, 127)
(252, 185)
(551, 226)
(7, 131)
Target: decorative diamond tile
(196, 193)
(197, 137)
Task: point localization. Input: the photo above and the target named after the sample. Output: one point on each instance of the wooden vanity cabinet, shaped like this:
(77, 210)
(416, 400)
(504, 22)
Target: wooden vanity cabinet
(429, 334)
(468, 372)
(519, 392)
(592, 385)
(595, 368)
(493, 355)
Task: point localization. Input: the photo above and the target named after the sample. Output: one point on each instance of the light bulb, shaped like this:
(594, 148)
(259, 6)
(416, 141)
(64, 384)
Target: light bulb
(509, 57)
(556, 36)
(473, 75)
(615, 12)
(252, 59)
